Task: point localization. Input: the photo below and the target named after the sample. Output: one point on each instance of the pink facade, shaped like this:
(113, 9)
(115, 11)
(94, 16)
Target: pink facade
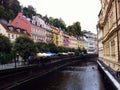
(65, 40)
(38, 31)
(38, 34)
(21, 22)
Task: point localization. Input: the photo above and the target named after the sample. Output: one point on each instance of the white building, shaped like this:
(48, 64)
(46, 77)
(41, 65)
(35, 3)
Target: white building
(90, 42)
(11, 32)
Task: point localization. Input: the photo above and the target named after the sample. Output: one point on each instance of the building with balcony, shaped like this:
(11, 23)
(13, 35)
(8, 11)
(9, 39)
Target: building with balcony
(65, 39)
(55, 33)
(109, 27)
(38, 31)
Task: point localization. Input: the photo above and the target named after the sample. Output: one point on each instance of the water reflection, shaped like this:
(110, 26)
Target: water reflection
(72, 77)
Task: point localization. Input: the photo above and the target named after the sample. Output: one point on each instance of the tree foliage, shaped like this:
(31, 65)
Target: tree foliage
(5, 49)
(25, 47)
(52, 48)
(29, 11)
(9, 9)
(75, 29)
(55, 21)
(5, 45)
(46, 19)
(42, 47)
(59, 23)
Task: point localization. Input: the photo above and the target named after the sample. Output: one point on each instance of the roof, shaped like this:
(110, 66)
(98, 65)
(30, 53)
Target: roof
(14, 29)
(21, 22)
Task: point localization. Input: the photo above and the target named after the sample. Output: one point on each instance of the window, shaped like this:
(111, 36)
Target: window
(12, 36)
(8, 35)
(24, 32)
(119, 7)
(11, 28)
(113, 48)
(19, 17)
(16, 23)
(91, 43)
(107, 49)
(18, 30)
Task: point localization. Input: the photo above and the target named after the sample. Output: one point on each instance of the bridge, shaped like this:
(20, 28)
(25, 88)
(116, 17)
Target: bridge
(80, 72)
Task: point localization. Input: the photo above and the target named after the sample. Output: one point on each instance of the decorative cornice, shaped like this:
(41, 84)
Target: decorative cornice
(110, 33)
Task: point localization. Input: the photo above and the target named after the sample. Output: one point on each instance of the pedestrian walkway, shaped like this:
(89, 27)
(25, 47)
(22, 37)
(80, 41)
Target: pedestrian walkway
(11, 65)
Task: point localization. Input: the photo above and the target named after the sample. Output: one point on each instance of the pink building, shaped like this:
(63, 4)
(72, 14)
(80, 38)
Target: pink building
(21, 22)
(65, 40)
(40, 31)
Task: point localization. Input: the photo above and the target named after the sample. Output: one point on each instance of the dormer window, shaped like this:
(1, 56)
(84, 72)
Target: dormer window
(19, 17)
(16, 23)
(25, 32)
(36, 23)
(18, 30)
(11, 28)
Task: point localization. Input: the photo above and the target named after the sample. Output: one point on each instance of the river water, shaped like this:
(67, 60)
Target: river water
(85, 76)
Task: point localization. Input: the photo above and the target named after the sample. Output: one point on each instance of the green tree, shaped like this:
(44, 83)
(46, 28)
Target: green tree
(46, 19)
(5, 49)
(29, 11)
(71, 30)
(5, 45)
(14, 5)
(61, 49)
(9, 9)
(25, 47)
(55, 21)
(59, 23)
(75, 29)
(2, 11)
(52, 48)
(42, 47)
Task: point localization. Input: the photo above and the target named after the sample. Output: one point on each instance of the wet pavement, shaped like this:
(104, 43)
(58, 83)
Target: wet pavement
(85, 76)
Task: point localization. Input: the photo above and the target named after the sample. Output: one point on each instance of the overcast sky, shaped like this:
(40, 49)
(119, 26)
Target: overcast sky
(84, 11)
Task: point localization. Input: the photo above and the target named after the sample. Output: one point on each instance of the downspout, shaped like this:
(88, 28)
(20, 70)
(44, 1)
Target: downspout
(117, 30)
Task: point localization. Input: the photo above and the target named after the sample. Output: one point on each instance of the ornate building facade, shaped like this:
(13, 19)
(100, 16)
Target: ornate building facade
(109, 25)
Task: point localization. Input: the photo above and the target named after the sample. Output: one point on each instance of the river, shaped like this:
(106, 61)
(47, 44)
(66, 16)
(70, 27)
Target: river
(80, 76)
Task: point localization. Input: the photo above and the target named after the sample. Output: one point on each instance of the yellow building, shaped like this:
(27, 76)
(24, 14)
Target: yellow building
(109, 24)
(60, 37)
(76, 43)
(81, 43)
(54, 35)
